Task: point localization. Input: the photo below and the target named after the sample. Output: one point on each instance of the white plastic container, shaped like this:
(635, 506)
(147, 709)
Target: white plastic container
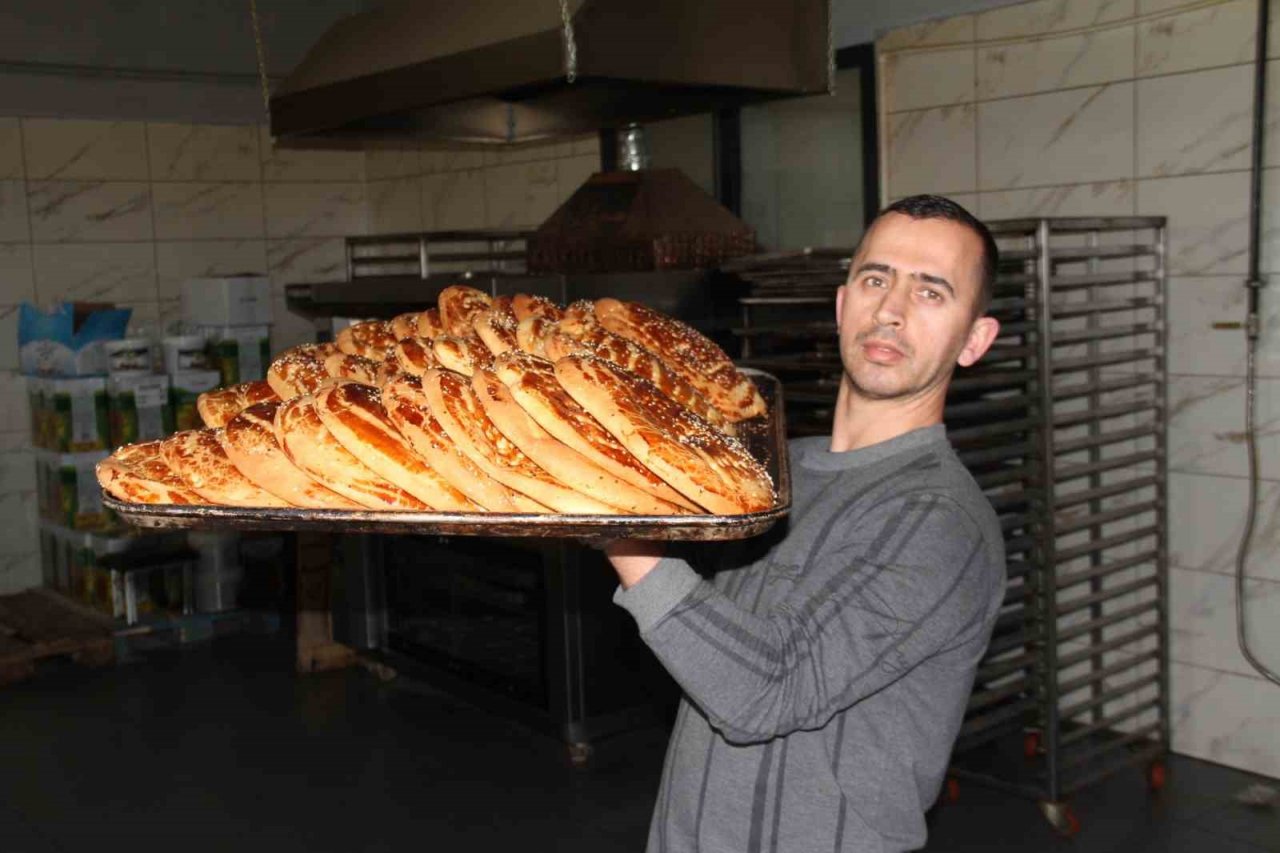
(185, 352)
(128, 355)
(226, 301)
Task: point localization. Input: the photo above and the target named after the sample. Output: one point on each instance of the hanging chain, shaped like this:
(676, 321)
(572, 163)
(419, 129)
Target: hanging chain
(262, 60)
(831, 48)
(570, 45)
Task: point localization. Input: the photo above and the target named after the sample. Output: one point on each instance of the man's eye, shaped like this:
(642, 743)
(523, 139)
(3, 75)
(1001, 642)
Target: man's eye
(932, 295)
(875, 281)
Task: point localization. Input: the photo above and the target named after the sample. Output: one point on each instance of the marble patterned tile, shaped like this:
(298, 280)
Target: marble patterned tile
(383, 163)
(957, 29)
(306, 259)
(528, 153)
(394, 206)
(19, 572)
(207, 211)
(433, 160)
(1208, 221)
(8, 337)
(14, 223)
(15, 417)
(932, 151)
(1206, 521)
(178, 261)
(95, 272)
(1194, 305)
(1202, 621)
(1042, 65)
(63, 149)
(315, 209)
(1205, 37)
(16, 502)
(1206, 425)
(72, 211)
(1196, 122)
(932, 78)
(289, 329)
(285, 164)
(203, 152)
(1104, 198)
(11, 149)
(454, 200)
(17, 278)
(1271, 142)
(144, 319)
(572, 172)
(1225, 718)
(1071, 137)
(1049, 16)
(521, 194)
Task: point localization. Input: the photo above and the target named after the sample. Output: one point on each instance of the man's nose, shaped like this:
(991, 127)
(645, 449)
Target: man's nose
(891, 310)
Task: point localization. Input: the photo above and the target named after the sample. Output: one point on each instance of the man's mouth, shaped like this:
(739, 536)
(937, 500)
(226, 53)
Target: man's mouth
(880, 352)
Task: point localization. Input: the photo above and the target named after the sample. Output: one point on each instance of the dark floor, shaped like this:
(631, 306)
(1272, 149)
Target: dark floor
(221, 747)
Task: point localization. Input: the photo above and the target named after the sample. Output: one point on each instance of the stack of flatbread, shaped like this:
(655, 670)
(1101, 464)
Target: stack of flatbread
(480, 404)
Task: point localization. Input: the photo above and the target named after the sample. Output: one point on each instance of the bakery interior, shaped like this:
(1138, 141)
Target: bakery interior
(225, 181)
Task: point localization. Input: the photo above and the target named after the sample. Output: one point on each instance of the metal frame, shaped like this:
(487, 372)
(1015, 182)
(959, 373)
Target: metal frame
(422, 253)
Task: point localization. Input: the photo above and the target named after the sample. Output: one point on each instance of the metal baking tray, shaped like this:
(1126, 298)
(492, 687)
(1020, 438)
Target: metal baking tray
(764, 437)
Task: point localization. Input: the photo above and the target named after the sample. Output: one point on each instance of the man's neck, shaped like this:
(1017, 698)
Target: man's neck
(861, 422)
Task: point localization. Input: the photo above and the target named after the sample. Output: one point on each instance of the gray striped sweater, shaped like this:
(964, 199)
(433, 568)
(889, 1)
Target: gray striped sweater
(825, 670)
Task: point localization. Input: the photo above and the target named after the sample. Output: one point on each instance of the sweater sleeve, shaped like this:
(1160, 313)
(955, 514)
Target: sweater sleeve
(883, 593)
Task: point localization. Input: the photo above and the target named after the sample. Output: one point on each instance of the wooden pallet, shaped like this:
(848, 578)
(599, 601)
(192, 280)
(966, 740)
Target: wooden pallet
(40, 624)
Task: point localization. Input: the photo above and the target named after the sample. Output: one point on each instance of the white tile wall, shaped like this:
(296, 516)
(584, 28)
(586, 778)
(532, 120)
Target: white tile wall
(1226, 718)
(1079, 59)
(315, 209)
(1196, 122)
(394, 205)
(1208, 220)
(1213, 35)
(1208, 514)
(191, 152)
(942, 31)
(89, 210)
(15, 225)
(11, 149)
(1202, 616)
(177, 261)
(124, 272)
(58, 149)
(208, 211)
(930, 78)
(932, 151)
(1049, 16)
(17, 279)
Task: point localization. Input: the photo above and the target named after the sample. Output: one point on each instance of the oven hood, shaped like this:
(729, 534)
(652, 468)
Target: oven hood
(498, 72)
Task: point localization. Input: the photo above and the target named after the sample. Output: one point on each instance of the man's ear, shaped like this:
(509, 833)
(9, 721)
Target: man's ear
(840, 303)
(981, 335)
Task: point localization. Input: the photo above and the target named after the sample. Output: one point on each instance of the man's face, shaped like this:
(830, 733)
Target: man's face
(906, 313)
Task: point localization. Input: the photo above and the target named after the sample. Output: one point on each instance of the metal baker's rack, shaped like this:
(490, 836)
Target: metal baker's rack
(1063, 425)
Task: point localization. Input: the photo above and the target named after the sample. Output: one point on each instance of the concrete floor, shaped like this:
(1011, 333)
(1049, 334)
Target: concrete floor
(222, 747)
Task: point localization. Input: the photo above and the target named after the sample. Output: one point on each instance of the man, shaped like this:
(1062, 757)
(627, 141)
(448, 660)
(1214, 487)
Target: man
(825, 680)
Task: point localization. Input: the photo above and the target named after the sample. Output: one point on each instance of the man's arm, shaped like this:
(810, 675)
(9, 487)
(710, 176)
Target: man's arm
(632, 559)
(904, 584)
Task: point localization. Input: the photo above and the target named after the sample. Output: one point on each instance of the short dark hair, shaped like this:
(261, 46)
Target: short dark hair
(939, 207)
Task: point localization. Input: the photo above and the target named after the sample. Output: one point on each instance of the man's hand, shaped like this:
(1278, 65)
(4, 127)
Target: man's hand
(632, 559)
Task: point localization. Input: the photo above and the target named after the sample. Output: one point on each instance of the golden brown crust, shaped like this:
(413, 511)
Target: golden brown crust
(579, 315)
(414, 355)
(461, 355)
(299, 370)
(354, 415)
(524, 306)
(571, 467)
(357, 368)
(454, 403)
(196, 455)
(137, 473)
(497, 330)
(309, 445)
(219, 406)
(407, 407)
(710, 468)
(459, 305)
(249, 440)
(533, 332)
(533, 384)
(686, 351)
(429, 324)
(601, 343)
(404, 325)
(371, 339)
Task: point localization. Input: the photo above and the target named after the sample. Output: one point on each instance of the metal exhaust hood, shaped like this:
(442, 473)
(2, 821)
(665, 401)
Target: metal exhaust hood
(496, 72)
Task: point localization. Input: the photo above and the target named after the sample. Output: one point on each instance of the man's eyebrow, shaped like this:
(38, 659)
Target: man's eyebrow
(873, 266)
(935, 279)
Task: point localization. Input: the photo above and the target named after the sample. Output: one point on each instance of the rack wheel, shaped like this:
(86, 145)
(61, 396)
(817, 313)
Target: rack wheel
(1031, 745)
(1157, 776)
(1061, 817)
(953, 790)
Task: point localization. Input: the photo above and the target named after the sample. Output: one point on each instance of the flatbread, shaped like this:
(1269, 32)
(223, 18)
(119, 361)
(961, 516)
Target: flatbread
(406, 406)
(571, 467)
(533, 384)
(459, 305)
(414, 355)
(404, 325)
(370, 339)
(356, 368)
(600, 342)
(354, 415)
(249, 440)
(497, 330)
(454, 404)
(689, 353)
(429, 324)
(461, 355)
(299, 370)
(137, 473)
(196, 455)
(581, 313)
(524, 306)
(533, 333)
(706, 466)
(219, 406)
(309, 445)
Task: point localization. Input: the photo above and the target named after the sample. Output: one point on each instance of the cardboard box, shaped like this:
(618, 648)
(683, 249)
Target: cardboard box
(243, 300)
(70, 492)
(239, 353)
(138, 407)
(74, 416)
(185, 387)
(69, 340)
